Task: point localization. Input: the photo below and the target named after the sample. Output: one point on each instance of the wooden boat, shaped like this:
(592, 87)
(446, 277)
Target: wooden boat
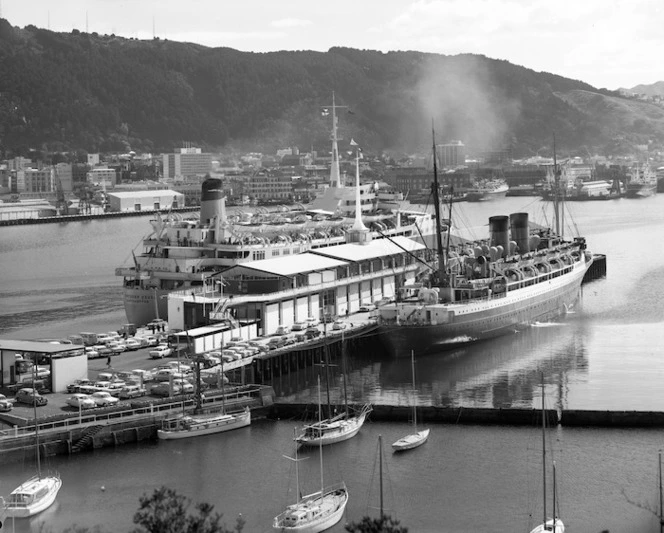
(206, 424)
(317, 511)
(185, 425)
(335, 428)
(37, 493)
(417, 438)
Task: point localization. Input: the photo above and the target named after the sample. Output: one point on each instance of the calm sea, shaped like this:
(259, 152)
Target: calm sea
(607, 354)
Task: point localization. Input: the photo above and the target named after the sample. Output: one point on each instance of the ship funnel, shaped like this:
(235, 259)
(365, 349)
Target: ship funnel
(520, 231)
(213, 203)
(498, 228)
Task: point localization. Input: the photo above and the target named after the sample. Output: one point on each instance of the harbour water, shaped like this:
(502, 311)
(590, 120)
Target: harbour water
(606, 354)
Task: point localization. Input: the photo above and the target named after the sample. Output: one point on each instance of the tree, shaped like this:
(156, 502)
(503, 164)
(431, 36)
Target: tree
(384, 524)
(166, 511)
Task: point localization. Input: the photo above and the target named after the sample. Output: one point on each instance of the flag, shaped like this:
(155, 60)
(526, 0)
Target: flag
(353, 143)
(325, 112)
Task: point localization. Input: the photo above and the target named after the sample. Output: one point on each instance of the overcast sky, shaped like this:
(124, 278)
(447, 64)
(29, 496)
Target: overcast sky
(607, 43)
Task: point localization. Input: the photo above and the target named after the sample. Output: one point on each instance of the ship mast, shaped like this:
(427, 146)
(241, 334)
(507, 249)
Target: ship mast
(335, 180)
(436, 202)
(557, 190)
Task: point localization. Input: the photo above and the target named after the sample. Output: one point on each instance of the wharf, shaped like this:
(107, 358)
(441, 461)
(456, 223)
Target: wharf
(91, 216)
(138, 420)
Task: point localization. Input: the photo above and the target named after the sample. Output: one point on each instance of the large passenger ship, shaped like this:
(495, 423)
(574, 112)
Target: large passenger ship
(518, 276)
(182, 253)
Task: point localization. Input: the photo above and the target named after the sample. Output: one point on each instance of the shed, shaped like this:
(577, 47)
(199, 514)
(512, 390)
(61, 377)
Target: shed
(145, 200)
(65, 362)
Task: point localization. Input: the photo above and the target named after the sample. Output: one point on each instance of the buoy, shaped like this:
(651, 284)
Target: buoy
(103, 488)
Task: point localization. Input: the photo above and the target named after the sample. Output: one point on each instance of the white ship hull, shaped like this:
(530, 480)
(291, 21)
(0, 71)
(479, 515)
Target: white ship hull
(405, 328)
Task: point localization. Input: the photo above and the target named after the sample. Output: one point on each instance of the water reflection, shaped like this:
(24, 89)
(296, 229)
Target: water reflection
(501, 373)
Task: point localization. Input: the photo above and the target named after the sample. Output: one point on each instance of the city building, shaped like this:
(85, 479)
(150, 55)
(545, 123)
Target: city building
(145, 200)
(452, 154)
(186, 163)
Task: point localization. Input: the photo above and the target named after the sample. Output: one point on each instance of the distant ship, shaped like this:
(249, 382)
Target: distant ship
(519, 275)
(182, 253)
(487, 190)
(642, 182)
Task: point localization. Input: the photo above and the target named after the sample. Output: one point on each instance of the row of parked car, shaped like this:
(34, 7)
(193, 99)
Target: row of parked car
(117, 344)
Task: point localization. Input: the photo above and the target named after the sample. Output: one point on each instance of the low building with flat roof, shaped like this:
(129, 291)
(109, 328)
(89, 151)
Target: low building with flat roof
(63, 362)
(145, 200)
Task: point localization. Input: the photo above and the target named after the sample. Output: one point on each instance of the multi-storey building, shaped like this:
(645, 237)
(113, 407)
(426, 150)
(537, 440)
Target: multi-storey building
(269, 187)
(452, 154)
(32, 180)
(186, 163)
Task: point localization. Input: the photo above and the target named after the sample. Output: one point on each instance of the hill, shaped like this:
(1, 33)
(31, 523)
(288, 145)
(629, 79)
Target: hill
(68, 91)
(654, 89)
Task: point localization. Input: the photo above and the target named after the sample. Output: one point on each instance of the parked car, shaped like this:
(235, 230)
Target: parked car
(312, 321)
(116, 346)
(145, 375)
(282, 330)
(103, 399)
(91, 353)
(185, 386)
(328, 318)
(132, 345)
(164, 389)
(312, 333)
(365, 308)
(161, 351)
(132, 391)
(299, 326)
(30, 397)
(339, 324)
(77, 384)
(81, 401)
(5, 404)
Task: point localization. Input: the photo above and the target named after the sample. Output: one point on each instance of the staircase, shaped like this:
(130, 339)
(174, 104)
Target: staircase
(86, 439)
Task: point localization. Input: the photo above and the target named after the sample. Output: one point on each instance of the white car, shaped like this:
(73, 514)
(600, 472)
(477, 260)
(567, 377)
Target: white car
(299, 326)
(103, 399)
(365, 308)
(132, 344)
(81, 401)
(338, 324)
(161, 351)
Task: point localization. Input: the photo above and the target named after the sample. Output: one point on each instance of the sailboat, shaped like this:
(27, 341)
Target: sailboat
(335, 428)
(317, 511)
(184, 425)
(555, 524)
(417, 438)
(37, 493)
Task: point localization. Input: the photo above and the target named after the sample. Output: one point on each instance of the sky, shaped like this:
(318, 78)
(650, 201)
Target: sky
(607, 43)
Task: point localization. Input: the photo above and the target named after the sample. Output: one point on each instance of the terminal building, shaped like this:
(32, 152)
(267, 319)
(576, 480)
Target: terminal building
(332, 281)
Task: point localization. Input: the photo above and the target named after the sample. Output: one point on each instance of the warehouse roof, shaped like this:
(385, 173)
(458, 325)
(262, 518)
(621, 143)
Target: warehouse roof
(376, 248)
(291, 265)
(145, 194)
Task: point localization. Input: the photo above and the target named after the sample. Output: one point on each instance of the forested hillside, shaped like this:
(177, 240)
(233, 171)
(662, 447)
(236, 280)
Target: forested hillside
(105, 93)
